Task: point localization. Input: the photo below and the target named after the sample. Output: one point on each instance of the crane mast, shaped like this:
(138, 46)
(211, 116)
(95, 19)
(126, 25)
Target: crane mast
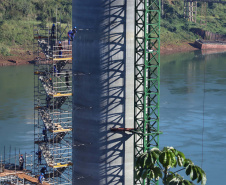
(147, 78)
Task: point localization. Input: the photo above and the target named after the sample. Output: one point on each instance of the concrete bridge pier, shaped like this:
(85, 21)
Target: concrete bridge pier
(103, 86)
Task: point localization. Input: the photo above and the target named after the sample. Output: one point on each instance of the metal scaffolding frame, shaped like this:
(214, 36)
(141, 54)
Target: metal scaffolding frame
(190, 10)
(147, 78)
(10, 172)
(203, 13)
(53, 105)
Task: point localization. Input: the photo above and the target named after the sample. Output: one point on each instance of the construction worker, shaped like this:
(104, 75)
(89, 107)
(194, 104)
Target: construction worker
(70, 36)
(74, 31)
(48, 99)
(67, 78)
(44, 132)
(51, 82)
(39, 153)
(43, 170)
(21, 162)
(55, 68)
(60, 48)
(41, 178)
(53, 30)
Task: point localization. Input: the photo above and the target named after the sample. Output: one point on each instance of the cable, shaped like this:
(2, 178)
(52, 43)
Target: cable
(203, 109)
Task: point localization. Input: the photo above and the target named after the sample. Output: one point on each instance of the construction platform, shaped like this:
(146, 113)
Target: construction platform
(21, 175)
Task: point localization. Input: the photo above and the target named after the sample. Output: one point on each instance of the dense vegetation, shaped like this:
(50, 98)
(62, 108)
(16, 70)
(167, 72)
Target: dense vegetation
(167, 164)
(175, 28)
(17, 18)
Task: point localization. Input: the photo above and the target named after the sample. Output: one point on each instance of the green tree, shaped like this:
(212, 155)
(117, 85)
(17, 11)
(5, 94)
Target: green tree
(156, 164)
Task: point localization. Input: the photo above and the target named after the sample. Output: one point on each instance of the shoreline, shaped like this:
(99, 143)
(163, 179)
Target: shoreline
(20, 57)
(167, 49)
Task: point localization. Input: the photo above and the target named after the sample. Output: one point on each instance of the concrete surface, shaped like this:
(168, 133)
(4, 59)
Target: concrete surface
(103, 71)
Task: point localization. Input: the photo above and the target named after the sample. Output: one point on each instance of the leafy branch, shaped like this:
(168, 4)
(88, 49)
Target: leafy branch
(156, 164)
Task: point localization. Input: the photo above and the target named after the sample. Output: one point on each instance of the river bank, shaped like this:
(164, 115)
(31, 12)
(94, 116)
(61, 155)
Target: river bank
(17, 57)
(167, 49)
(22, 57)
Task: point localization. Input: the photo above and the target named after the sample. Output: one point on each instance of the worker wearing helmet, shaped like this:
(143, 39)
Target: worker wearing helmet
(74, 31)
(50, 82)
(39, 153)
(60, 48)
(53, 30)
(44, 132)
(67, 79)
(48, 101)
(43, 170)
(70, 35)
(21, 162)
(41, 178)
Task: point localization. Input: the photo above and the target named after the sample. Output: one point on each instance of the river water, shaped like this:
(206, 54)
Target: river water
(192, 111)
(16, 109)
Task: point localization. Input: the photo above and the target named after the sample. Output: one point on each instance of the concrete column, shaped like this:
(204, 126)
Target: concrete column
(103, 86)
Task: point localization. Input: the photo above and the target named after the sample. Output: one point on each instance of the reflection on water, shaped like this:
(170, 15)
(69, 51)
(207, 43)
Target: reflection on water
(16, 108)
(181, 109)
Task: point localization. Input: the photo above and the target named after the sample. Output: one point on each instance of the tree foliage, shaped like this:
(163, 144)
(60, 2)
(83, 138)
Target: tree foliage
(17, 18)
(34, 9)
(176, 29)
(157, 164)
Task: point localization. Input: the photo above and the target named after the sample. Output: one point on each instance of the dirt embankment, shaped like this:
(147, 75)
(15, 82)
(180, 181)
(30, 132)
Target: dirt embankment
(21, 57)
(17, 57)
(167, 49)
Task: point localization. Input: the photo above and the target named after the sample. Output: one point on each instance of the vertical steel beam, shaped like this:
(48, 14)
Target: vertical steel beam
(203, 13)
(147, 77)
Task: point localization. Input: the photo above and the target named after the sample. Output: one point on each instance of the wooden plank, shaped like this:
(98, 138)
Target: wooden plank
(59, 165)
(60, 95)
(62, 130)
(21, 175)
(9, 172)
(30, 179)
(70, 58)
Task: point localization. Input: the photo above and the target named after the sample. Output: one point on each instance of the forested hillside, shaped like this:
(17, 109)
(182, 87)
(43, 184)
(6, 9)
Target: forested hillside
(175, 28)
(17, 18)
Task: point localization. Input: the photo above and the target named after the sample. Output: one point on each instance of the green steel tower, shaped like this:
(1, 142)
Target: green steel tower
(147, 78)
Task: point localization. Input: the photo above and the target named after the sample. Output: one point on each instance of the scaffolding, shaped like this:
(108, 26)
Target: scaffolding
(190, 10)
(53, 104)
(11, 171)
(203, 13)
(147, 78)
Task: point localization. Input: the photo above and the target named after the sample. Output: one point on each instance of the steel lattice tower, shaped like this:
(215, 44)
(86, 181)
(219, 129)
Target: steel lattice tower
(147, 77)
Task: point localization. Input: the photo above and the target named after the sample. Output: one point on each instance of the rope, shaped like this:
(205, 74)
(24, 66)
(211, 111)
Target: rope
(203, 109)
